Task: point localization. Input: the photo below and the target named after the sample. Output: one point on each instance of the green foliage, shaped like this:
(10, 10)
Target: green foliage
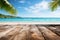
(4, 4)
(7, 16)
(54, 4)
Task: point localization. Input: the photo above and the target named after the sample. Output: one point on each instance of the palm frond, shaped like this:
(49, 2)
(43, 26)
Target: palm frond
(54, 4)
(4, 4)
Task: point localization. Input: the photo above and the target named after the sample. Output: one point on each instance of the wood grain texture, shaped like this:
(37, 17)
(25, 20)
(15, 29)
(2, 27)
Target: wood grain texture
(31, 32)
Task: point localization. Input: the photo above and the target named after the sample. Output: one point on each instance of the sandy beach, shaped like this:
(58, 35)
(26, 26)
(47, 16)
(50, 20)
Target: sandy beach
(41, 23)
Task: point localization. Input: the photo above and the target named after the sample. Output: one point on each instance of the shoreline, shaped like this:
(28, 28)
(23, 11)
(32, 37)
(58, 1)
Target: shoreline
(41, 23)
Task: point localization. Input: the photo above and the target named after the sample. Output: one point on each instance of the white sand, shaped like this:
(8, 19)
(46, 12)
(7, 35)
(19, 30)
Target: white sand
(13, 23)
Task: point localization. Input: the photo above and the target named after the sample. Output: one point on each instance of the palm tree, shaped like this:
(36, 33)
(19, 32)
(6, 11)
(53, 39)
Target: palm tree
(5, 5)
(54, 4)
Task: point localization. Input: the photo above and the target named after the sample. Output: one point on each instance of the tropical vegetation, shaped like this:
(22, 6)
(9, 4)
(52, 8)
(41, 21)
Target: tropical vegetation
(7, 16)
(5, 5)
(54, 4)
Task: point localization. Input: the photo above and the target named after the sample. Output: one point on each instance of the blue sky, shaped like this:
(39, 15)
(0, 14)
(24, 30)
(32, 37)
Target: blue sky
(33, 8)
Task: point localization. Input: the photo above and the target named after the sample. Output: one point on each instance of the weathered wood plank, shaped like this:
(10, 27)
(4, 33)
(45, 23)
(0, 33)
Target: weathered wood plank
(9, 33)
(17, 34)
(49, 35)
(36, 34)
(5, 32)
(55, 30)
(22, 34)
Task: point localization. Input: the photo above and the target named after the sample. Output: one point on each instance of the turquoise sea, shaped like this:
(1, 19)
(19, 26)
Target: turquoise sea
(29, 19)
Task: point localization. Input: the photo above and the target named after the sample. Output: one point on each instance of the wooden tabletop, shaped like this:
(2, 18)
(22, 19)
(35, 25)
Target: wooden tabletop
(31, 32)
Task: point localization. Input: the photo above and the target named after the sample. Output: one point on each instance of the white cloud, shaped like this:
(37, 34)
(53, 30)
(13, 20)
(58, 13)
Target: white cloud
(44, 5)
(22, 1)
(56, 12)
(38, 7)
(38, 10)
(19, 7)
